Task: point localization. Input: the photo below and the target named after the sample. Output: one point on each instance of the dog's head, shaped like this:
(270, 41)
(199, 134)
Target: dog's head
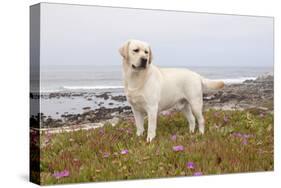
(136, 54)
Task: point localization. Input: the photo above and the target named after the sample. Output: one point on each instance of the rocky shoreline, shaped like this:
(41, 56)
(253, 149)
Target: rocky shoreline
(250, 94)
(257, 93)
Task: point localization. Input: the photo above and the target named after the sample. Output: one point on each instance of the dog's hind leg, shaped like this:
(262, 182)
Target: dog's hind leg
(189, 116)
(197, 107)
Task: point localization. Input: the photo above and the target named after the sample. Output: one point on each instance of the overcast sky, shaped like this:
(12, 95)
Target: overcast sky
(88, 35)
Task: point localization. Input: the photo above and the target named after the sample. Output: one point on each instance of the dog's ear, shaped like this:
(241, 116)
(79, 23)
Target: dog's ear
(124, 49)
(150, 55)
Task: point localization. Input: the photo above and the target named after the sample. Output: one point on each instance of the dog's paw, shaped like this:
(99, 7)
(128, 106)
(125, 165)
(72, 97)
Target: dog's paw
(191, 131)
(201, 130)
(140, 132)
(150, 137)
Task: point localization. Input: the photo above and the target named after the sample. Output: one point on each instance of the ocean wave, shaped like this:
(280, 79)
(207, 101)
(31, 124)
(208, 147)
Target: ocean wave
(236, 80)
(101, 87)
(80, 88)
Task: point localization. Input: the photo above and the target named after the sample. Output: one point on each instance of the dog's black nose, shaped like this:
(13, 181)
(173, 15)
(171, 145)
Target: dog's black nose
(143, 62)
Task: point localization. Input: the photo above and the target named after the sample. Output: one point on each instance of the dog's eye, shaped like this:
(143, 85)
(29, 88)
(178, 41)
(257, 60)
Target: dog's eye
(136, 50)
(145, 51)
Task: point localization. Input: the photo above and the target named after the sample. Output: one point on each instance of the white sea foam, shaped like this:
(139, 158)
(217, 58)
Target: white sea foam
(100, 87)
(236, 80)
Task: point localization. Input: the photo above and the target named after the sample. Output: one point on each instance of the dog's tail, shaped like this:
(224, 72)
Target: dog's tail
(212, 84)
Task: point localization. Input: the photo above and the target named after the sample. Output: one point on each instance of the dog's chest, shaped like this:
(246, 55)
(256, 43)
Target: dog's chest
(136, 100)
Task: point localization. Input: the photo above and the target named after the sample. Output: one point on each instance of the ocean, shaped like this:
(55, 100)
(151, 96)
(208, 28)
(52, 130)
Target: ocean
(95, 80)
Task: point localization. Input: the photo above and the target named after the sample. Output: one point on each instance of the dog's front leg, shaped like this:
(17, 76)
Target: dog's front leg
(139, 119)
(152, 123)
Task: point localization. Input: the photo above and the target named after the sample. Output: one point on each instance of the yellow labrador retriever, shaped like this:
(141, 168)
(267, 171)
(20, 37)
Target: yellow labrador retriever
(150, 90)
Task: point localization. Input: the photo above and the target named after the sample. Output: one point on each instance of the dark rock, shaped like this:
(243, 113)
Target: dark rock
(53, 95)
(104, 96)
(119, 98)
(248, 81)
(77, 94)
(86, 108)
(230, 96)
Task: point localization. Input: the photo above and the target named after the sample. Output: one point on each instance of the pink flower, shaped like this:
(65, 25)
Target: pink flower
(101, 131)
(243, 137)
(106, 155)
(190, 165)
(247, 135)
(198, 174)
(245, 141)
(129, 130)
(174, 137)
(61, 174)
(216, 114)
(225, 119)
(49, 135)
(131, 119)
(237, 134)
(124, 151)
(178, 148)
(166, 113)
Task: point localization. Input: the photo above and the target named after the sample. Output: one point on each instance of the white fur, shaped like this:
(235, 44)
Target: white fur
(151, 90)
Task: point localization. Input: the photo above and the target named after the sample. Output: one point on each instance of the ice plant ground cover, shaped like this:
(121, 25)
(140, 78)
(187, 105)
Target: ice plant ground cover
(235, 141)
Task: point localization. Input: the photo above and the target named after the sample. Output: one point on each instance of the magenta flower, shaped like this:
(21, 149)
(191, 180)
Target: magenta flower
(61, 174)
(124, 151)
(216, 114)
(225, 119)
(245, 141)
(240, 135)
(243, 137)
(101, 131)
(131, 119)
(49, 135)
(198, 174)
(247, 135)
(166, 113)
(237, 134)
(106, 155)
(174, 137)
(190, 165)
(178, 148)
(129, 130)
(261, 114)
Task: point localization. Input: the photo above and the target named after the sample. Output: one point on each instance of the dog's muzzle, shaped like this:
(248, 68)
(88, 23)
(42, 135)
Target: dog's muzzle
(143, 63)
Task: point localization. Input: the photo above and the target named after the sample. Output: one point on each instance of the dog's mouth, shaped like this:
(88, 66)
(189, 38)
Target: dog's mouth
(139, 67)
